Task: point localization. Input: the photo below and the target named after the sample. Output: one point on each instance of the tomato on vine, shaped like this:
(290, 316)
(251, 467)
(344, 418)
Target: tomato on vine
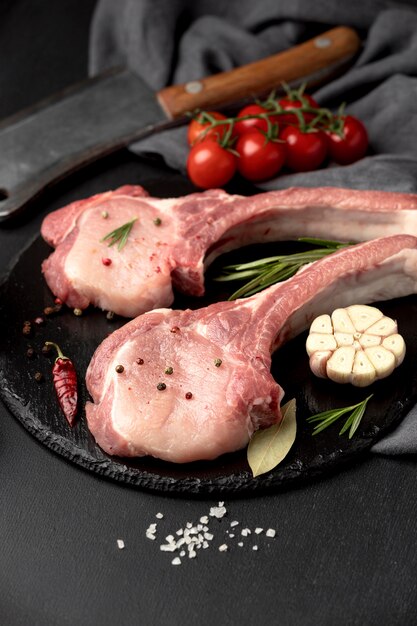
(242, 126)
(199, 127)
(260, 157)
(296, 99)
(306, 151)
(209, 165)
(349, 143)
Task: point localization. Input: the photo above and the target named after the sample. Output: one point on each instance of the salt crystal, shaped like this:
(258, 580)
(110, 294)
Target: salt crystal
(169, 538)
(270, 532)
(204, 519)
(245, 532)
(176, 561)
(189, 525)
(180, 531)
(218, 511)
(234, 523)
(150, 535)
(208, 536)
(159, 515)
(254, 547)
(182, 553)
(205, 544)
(240, 544)
(120, 544)
(223, 547)
(231, 535)
(168, 547)
(258, 530)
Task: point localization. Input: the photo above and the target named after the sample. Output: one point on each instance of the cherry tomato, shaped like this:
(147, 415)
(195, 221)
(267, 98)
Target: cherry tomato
(352, 146)
(256, 122)
(305, 151)
(196, 128)
(209, 165)
(291, 118)
(259, 158)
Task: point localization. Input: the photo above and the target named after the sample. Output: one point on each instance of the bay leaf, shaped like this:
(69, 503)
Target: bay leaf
(269, 446)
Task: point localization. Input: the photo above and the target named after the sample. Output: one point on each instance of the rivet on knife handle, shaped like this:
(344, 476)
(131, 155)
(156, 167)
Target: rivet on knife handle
(314, 61)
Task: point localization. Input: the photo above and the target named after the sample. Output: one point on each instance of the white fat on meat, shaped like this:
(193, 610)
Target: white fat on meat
(194, 230)
(131, 415)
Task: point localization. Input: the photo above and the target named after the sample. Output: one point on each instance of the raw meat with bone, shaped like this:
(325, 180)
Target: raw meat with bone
(147, 409)
(194, 230)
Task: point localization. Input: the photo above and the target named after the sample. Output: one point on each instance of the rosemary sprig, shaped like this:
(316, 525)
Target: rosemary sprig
(119, 235)
(265, 272)
(327, 418)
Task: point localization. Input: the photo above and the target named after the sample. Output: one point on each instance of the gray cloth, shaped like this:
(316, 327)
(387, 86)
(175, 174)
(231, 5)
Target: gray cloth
(175, 41)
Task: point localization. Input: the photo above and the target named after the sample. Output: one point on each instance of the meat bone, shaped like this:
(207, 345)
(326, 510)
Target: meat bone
(49, 141)
(219, 388)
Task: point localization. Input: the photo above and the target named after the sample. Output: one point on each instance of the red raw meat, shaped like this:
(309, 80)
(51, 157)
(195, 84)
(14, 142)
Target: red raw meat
(147, 409)
(194, 230)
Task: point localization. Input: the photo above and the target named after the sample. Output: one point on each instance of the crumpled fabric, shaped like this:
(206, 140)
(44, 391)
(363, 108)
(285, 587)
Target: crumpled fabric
(175, 41)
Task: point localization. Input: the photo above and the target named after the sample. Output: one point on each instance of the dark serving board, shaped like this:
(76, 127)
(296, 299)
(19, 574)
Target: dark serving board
(24, 295)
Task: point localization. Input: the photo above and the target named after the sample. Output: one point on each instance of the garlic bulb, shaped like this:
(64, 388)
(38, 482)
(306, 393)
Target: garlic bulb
(356, 345)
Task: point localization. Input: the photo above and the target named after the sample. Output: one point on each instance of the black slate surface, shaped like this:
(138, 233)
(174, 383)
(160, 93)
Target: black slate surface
(25, 295)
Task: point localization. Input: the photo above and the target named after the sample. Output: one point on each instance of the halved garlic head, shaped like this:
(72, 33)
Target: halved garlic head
(356, 345)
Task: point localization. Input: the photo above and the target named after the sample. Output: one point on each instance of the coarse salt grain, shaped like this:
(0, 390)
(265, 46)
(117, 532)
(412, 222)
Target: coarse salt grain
(120, 544)
(258, 530)
(159, 515)
(176, 561)
(270, 532)
(245, 532)
(217, 511)
(254, 547)
(204, 519)
(223, 547)
(240, 544)
(234, 523)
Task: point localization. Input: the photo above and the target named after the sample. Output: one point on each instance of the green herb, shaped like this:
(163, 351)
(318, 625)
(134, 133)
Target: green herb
(119, 235)
(327, 418)
(217, 362)
(269, 446)
(157, 221)
(169, 370)
(265, 272)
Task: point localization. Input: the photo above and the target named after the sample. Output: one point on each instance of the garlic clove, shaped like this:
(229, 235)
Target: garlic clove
(363, 372)
(396, 345)
(322, 324)
(366, 341)
(339, 366)
(344, 339)
(318, 362)
(363, 316)
(383, 327)
(319, 341)
(342, 322)
(382, 359)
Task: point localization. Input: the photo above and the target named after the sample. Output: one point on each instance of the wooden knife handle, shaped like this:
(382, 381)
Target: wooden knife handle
(312, 62)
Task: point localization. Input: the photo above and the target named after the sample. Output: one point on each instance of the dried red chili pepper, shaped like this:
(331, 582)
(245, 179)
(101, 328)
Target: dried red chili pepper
(65, 383)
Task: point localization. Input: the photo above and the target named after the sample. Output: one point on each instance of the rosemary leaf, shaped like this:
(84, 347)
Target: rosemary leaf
(326, 418)
(119, 235)
(265, 272)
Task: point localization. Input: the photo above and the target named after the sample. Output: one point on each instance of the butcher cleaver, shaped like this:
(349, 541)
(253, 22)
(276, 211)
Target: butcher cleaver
(47, 142)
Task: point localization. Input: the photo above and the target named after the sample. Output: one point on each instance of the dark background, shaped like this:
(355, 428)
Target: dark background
(345, 549)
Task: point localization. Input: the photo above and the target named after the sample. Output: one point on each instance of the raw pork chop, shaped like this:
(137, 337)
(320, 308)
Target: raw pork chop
(220, 389)
(174, 239)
